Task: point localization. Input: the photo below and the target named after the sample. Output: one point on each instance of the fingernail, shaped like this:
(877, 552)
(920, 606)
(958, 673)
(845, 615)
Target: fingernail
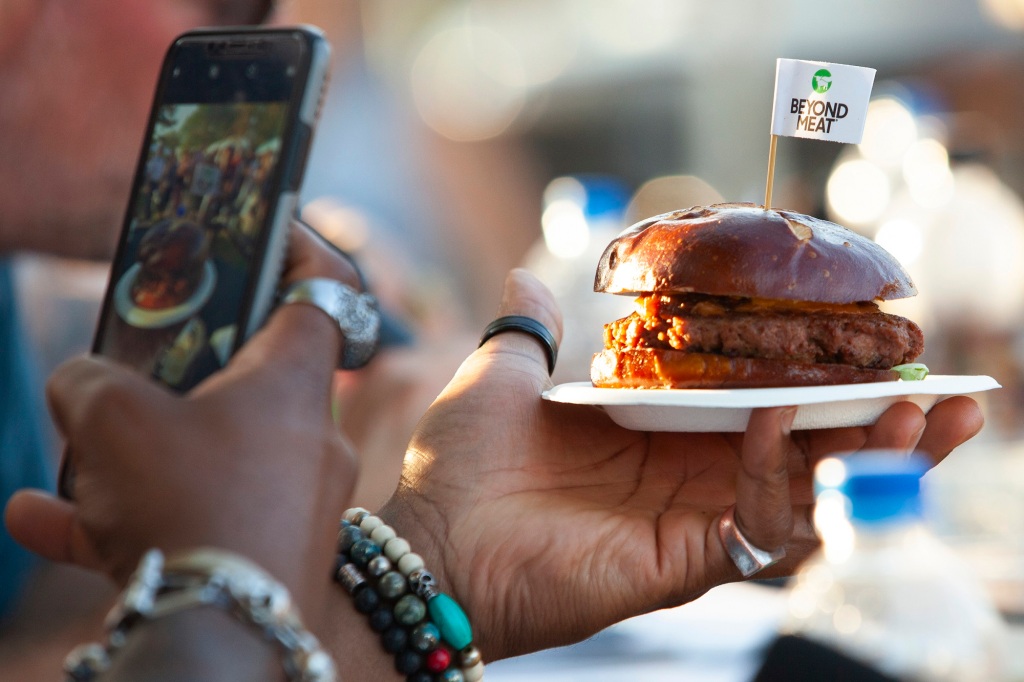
(787, 420)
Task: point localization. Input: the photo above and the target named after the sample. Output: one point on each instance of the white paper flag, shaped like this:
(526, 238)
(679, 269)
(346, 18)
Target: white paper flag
(821, 101)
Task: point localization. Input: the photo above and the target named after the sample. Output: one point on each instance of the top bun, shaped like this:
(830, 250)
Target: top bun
(745, 250)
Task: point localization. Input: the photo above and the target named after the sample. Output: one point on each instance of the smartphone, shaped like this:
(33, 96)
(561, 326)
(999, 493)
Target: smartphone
(203, 240)
(204, 235)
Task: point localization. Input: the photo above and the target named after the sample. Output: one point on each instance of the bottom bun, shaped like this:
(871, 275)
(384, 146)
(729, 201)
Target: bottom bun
(676, 369)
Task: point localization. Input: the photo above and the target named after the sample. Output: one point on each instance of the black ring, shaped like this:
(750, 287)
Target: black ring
(521, 323)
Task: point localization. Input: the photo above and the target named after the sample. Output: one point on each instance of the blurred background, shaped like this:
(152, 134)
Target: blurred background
(461, 138)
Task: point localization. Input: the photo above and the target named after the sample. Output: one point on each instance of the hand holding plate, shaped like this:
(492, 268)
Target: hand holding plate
(549, 522)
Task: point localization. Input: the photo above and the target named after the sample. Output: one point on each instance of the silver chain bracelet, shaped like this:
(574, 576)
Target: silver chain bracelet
(205, 577)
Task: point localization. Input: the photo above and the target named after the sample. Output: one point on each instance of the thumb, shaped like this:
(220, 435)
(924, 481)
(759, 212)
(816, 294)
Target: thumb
(525, 295)
(49, 527)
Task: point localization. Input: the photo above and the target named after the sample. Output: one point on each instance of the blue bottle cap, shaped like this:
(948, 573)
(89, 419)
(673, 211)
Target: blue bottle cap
(880, 485)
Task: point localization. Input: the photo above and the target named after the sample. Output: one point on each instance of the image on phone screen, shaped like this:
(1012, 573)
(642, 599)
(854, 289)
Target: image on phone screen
(202, 200)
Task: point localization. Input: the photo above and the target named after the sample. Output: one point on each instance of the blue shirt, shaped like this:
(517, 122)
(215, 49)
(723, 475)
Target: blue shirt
(24, 458)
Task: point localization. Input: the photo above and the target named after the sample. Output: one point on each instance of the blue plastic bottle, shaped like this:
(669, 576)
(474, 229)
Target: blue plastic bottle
(883, 590)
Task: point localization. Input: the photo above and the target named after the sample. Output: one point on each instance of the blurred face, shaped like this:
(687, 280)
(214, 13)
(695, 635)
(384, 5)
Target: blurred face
(77, 77)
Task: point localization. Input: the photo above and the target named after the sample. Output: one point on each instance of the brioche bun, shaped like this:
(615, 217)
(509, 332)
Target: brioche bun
(733, 295)
(745, 250)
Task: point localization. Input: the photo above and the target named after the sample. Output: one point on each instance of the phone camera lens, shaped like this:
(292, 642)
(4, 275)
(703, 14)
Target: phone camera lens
(252, 71)
(214, 71)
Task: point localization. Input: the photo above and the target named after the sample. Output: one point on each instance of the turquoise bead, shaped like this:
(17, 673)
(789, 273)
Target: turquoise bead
(451, 620)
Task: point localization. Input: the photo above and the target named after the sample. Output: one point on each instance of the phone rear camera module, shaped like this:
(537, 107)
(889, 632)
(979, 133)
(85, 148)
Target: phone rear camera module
(252, 71)
(214, 71)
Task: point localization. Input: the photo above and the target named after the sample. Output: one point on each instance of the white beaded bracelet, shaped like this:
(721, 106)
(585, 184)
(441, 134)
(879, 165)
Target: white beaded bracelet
(206, 577)
(427, 630)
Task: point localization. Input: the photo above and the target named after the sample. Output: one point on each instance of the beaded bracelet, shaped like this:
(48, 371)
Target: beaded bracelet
(420, 625)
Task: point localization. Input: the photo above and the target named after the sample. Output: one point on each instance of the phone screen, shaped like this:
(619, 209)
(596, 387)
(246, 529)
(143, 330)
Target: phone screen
(205, 194)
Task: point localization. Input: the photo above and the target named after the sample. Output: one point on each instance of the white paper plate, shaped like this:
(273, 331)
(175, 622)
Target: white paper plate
(163, 317)
(820, 407)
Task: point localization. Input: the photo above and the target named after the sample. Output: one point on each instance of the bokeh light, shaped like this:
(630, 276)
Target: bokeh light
(903, 238)
(343, 226)
(565, 228)
(546, 34)
(889, 131)
(628, 27)
(468, 83)
(565, 187)
(833, 526)
(847, 619)
(670, 193)
(830, 473)
(1009, 13)
(858, 191)
(972, 257)
(926, 172)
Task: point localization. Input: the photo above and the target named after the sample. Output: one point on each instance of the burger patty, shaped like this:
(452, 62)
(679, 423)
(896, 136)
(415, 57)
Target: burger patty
(857, 335)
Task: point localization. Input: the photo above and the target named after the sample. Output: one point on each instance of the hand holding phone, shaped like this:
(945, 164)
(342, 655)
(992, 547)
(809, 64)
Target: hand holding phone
(216, 185)
(200, 253)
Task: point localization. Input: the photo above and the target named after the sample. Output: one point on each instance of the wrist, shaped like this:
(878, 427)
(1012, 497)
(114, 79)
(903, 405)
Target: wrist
(204, 644)
(160, 591)
(422, 526)
(291, 572)
(425, 630)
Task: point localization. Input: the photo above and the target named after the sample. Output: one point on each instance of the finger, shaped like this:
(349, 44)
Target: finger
(820, 443)
(951, 422)
(899, 428)
(298, 341)
(92, 399)
(48, 526)
(311, 255)
(800, 545)
(525, 295)
(60, 387)
(764, 513)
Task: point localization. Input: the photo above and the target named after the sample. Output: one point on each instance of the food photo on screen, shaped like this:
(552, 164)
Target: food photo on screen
(196, 221)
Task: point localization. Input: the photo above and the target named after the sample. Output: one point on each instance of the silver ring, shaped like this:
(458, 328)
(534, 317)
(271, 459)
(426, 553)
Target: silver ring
(355, 313)
(748, 557)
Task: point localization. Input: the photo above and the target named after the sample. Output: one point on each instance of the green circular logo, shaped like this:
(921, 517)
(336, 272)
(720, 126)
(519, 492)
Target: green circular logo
(821, 81)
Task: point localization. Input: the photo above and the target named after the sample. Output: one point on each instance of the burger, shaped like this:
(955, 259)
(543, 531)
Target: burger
(737, 296)
(172, 256)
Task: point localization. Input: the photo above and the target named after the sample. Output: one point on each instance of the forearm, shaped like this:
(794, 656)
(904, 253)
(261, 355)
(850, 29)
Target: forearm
(52, 237)
(197, 645)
